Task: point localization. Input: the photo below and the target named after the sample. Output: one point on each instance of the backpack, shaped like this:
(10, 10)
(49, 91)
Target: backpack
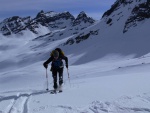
(57, 63)
(61, 53)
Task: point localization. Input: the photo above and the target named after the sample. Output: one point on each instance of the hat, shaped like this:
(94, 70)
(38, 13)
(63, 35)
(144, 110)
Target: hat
(55, 53)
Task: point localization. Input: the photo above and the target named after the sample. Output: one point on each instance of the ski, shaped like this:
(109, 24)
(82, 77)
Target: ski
(58, 90)
(55, 91)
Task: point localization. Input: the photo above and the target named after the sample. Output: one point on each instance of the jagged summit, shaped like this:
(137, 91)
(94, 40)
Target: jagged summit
(82, 17)
(16, 24)
(51, 20)
(46, 14)
(52, 16)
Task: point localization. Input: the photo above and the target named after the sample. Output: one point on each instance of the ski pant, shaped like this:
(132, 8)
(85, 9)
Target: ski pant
(54, 73)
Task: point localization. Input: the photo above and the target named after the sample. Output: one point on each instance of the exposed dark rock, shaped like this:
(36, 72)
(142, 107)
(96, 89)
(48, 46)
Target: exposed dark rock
(81, 37)
(109, 21)
(139, 13)
(116, 5)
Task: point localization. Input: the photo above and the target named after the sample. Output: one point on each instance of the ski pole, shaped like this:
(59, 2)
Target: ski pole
(68, 77)
(68, 73)
(47, 79)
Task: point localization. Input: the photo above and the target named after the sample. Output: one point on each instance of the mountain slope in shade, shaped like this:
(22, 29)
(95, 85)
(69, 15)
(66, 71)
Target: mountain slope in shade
(116, 33)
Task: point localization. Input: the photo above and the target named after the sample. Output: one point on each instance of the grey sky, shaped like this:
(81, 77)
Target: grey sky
(94, 8)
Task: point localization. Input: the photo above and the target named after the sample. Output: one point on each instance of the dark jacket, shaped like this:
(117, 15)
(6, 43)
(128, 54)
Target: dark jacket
(51, 59)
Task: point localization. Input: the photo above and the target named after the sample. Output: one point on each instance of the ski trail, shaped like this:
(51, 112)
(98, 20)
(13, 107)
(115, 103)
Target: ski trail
(11, 106)
(18, 103)
(125, 104)
(25, 109)
(22, 95)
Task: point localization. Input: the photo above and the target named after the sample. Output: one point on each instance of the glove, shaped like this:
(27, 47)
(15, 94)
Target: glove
(45, 65)
(67, 66)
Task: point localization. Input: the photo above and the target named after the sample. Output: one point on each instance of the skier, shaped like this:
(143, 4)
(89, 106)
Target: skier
(57, 66)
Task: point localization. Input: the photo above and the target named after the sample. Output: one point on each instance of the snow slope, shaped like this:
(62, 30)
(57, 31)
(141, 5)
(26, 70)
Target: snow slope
(109, 70)
(106, 38)
(109, 89)
(112, 84)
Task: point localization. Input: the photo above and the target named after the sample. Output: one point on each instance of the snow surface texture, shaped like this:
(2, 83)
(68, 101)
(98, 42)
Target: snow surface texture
(114, 84)
(109, 71)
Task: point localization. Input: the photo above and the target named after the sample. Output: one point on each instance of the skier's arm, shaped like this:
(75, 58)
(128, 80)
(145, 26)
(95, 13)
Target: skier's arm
(66, 60)
(45, 64)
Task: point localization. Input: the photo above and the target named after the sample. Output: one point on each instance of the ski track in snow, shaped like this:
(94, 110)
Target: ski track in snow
(124, 104)
(20, 102)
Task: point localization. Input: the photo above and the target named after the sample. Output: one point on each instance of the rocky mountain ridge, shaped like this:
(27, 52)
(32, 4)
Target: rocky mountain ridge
(139, 10)
(123, 30)
(50, 20)
(125, 14)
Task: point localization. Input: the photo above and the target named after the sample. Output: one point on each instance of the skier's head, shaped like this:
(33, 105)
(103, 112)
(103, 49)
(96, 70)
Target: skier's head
(55, 54)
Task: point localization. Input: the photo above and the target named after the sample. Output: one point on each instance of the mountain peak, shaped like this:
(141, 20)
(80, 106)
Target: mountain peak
(82, 17)
(16, 24)
(123, 3)
(133, 11)
(82, 13)
(50, 18)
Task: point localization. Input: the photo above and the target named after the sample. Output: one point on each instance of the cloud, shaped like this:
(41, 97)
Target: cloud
(52, 4)
(28, 7)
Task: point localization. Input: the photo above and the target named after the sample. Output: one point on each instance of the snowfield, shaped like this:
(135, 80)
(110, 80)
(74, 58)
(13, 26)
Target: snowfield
(121, 90)
(117, 85)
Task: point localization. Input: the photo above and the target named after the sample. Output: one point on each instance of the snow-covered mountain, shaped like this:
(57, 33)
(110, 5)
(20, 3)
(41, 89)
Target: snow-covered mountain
(50, 20)
(109, 61)
(138, 11)
(55, 20)
(83, 18)
(123, 30)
